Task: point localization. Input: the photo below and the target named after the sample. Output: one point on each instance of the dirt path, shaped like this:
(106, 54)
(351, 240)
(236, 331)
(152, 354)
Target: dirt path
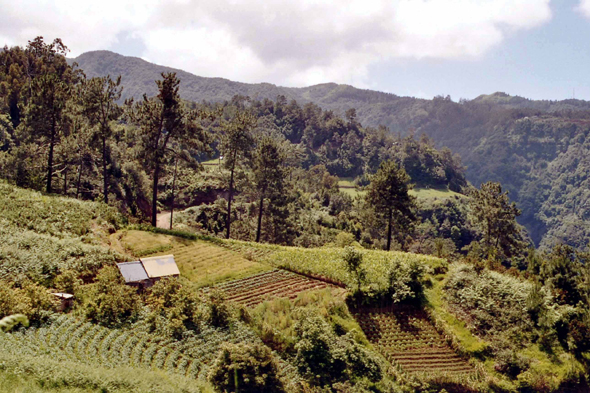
(163, 220)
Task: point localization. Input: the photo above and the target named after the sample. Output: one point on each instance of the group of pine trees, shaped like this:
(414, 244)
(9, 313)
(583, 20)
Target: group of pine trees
(62, 132)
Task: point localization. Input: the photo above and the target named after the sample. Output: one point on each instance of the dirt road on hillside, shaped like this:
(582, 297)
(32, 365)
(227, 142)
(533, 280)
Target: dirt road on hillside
(163, 220)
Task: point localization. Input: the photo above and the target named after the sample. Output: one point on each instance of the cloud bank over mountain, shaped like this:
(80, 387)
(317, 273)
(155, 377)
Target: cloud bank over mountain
(291, 43)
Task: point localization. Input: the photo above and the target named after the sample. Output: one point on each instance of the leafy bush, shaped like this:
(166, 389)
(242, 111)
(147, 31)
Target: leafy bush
(175, 308)
(490, 302)
(108, 300)
(218, 313)
(511, 363)
(29, 299)
(275, 320)
(325, 358)
(245, 368)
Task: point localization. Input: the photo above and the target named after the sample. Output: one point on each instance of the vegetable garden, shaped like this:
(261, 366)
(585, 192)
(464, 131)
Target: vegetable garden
(254, 290)
(70, 339)
(405, 335)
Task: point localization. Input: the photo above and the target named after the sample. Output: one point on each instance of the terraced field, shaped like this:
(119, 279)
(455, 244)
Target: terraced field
(405, 335)
(201, 262)
(254, 290)
(71, 339)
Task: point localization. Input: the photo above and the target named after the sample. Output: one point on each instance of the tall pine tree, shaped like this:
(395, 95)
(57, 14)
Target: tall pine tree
(388, 196)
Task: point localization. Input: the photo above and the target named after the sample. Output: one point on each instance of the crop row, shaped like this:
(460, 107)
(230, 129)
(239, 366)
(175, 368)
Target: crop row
(70, 339)
(407, 337)
(257, 251)
(277, 283)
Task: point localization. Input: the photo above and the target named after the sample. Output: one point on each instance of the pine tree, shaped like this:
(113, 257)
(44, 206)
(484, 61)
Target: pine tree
(46, 116)
(99, 96)
(495, 214)
(388, 196)
(164, 120)
(237, 142)
(268, 174)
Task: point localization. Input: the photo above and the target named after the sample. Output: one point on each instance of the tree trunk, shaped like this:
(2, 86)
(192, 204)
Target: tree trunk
(78, 182)
(259, 218)
(155, 193)
(173, 191)
(231, 194)
(390, 218)
(104, 170)
(66, 181)
(50, 159)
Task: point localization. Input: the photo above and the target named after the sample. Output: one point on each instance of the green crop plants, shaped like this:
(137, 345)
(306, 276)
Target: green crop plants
(7, 323)
(395, 276)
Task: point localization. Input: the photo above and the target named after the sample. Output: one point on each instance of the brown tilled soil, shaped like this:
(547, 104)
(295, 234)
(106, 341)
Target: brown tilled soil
(405, 335)
(254, 290)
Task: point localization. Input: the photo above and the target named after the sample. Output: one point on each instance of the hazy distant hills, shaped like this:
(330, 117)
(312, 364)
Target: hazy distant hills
(538, 149)
(373, 107)
(138, 77)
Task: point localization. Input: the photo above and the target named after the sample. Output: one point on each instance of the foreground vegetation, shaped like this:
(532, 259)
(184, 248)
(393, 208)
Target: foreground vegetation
(177, 329)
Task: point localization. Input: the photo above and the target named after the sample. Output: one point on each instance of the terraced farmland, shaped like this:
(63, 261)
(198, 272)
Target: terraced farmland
(254, 290)
(201, 262)
(405, 335)
(70, 339)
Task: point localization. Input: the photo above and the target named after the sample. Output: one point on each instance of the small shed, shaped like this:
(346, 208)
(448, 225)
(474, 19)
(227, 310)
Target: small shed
(162, 266)
(146, 271)
(134, 273)
(67, 300)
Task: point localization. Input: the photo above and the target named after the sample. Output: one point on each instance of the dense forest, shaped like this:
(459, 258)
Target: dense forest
(525, 145)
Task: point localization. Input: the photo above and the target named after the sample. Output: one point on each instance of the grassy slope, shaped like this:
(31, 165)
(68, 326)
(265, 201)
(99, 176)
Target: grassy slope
(40, 234)
(346, 185)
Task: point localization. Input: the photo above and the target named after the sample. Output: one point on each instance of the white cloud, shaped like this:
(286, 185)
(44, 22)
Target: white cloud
(584, 8)
(286, 42)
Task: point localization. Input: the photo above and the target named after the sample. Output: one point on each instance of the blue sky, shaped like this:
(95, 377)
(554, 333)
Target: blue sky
(549, 62)
(463, 48)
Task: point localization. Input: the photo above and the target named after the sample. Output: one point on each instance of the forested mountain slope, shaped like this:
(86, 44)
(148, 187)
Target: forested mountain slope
(536, 149)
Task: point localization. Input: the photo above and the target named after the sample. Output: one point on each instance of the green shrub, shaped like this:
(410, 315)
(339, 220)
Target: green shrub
(108, 301)
(344, 239)
(493, 303)
(511, 363)
(218, 314)
(390, 276)
(175, 308)
(245, 368)
(30, 299)
(68, 282)
(325, 358)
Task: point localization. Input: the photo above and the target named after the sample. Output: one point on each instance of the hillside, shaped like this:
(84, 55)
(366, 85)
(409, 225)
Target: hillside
(524, 144)
(408, 323)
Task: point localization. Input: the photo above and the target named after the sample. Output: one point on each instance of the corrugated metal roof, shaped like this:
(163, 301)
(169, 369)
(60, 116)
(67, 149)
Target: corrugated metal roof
(160, 266)
(132, 271)
(62, 295)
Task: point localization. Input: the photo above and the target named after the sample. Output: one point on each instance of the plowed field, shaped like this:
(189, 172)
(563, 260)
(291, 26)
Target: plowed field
(254, 290)
(406, 337)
